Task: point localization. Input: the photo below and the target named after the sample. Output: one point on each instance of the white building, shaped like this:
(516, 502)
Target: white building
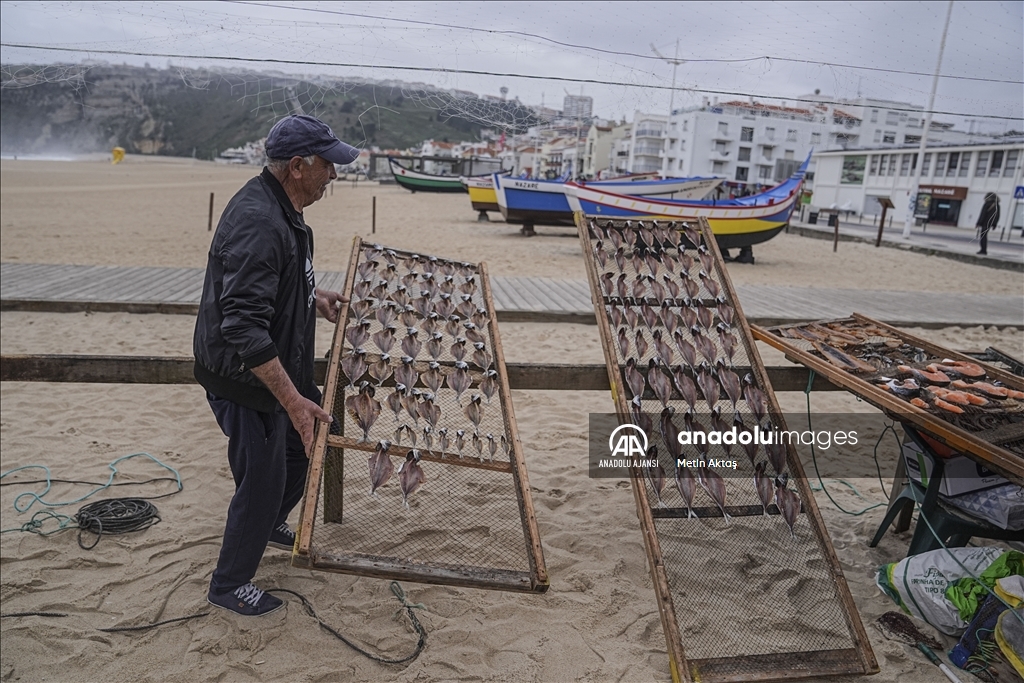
(954, 180)
(646, 143)
(577, 107)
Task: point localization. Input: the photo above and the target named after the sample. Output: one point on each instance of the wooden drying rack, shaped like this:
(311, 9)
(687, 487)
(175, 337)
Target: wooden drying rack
(304, 555)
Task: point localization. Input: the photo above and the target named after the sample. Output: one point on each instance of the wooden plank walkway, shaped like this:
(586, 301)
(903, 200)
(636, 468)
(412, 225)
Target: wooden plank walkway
(66, 288)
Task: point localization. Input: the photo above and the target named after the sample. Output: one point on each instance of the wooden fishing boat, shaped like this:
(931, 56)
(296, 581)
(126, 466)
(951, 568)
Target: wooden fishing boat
(417, 181)
(735, 222)
(533, 202)
(481, 193)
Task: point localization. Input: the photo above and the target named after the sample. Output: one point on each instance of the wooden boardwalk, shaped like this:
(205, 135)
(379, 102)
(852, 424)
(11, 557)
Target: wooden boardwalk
(67, 288)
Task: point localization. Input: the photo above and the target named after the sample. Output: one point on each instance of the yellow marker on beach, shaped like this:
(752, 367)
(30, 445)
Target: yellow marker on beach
(117, 155)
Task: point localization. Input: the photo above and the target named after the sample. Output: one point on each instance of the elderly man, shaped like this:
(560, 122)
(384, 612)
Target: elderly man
(253, 345)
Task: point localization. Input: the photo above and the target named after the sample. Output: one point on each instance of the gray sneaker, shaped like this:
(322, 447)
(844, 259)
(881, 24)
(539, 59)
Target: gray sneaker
(282, 538)
(247, 600)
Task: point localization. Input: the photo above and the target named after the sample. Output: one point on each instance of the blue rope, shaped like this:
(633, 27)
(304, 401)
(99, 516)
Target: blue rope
(38, 497)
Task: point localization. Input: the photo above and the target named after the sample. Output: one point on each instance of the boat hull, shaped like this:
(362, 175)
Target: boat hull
(415, 181)
(531, 202)
(481, 194)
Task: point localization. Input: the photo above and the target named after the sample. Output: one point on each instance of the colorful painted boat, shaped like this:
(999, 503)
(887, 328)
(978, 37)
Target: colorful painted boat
(481, 193)
(532, 202)
(417, 181)
(735, 222)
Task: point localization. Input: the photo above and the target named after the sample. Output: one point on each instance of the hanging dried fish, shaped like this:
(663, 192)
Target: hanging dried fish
(480, 318)
(788, 502)
(663, 351)
(365, 269)
(687, 486)
(354, 366)
(406, 374)
(687, 389)
(390, 256)
(445, 307)
(725, 312)
(492, 447)
(385, 338)
(639, 288)
(430, 265)
(411, 344)
(652, 263)
(620, 287)
(460, 441)
(641, 345)
(715, 486)
(659, 383)
(650, 315)
(705, 318)
(704, 345)
(467, 307)
(428, 438)
(430, 325)
(634, 379)
(364, 408)
(623, 340)
(380, 292)
(763, 486)
(686, 349)
(657, 291)
(361, 289)
(730, 382)
(707, 261)
(356, 335)
(410, 475)
(669, 432)
(478, 446)
(433, 345)
(688, 313)
(433, 377)
(411, 402)
(709, 387)
(474, 411)
(458, 349)
(408, 316)
(776, 456)
(473, 334)
(429, 410)
(615, 237)
(620, 259)
(615, 315)
(447, 286)
(380, 465)
(442, 440)
(728, 340)
(656, 473)
(710, 284)
(489, 384)
(692, 235)
(401, 297)
(394, 401)
(669, 319)
(422, 305)
(380, 369)
(360, 310)
(755, 398)
(692, 288)
(466, 270)
(602, 258)
(451, 326)
(459, 379)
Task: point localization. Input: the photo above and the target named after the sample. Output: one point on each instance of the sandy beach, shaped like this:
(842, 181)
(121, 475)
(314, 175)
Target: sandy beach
(598, 621)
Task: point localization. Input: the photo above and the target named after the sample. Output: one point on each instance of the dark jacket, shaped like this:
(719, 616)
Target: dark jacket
(258, 297)
(989, 217)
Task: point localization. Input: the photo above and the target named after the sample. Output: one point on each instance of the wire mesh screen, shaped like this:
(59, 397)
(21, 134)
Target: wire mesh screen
(423, 475)
(753, 586)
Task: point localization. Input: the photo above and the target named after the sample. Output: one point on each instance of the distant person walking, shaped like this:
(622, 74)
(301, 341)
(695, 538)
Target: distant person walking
(988, 219)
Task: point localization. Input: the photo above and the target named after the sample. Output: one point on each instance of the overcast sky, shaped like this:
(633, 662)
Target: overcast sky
(610, 42)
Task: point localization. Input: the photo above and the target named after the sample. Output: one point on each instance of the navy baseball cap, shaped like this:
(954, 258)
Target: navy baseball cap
(299, 135)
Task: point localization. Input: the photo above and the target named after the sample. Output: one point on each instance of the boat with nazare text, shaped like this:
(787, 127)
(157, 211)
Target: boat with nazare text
(532, 202)
(735, 222)
(417, 181)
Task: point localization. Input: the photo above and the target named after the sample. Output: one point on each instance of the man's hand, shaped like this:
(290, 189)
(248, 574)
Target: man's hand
(304, 414)
(301, 411)
(328, 303)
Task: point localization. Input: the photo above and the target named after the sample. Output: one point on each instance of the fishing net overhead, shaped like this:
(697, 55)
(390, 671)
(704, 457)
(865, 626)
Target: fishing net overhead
(747, 582)
(421, 476)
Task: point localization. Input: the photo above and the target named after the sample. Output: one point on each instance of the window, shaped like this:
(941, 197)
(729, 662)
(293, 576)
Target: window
(723, 128)
(873, 169)
(892, 118)
(815, 138)
(905, 165)
(997, 162)
(789, 154)
(878, 136)
(746, 134)
(741, 172)
(913, 122)
(720, 147)
(791, 135)
(767, 152)
(889, 137)
(1012, 157)
(764, 172)
(744, 154)
(954, 159)
(718, 167)
(874, 116)
(853, 170)
(940, 163)
(911, 139)
(892, 163)
(686, 125)
(769, 133)
(965, 164)
(982, 164)
(927, 163)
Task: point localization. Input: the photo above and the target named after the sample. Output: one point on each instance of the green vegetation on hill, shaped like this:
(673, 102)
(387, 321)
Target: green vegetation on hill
(151, 111)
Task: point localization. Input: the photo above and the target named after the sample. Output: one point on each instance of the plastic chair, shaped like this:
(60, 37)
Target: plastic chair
(953, 527)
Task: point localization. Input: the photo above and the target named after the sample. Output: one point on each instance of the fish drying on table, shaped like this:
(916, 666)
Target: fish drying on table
(788, 502)
(656, 473)
(364, 408)
(763, 486)
(489, 385)
(381, 466)
(474, 411)
(714, 485)
(354, 366)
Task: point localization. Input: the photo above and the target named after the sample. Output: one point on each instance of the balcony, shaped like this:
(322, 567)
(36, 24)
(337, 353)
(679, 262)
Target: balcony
(717, 155)
(649, 133)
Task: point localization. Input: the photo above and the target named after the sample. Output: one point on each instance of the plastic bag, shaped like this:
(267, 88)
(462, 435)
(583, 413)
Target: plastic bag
(918, 583)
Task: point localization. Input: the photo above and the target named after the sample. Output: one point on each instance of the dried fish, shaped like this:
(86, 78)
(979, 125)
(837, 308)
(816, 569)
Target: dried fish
(718, 424)
(655, 472)
(710, 284)
(394, 400)
(442, 440)
(725, 312)
(692, 235)
(728, 340)
(384, 338)
(458, 348)
(361, 289)
(657, 291)
(846, 361)
(704, 345)
(467, 307)
(715, 486)
(354, 366)
(428, 438)
(652, 263)
(755, 398)
(688, 313)
(380, 465)
(430, 324)
(659, 383)
(620, 259)
(639, 289)
(692, 288)
(460, 441)
(459, 379)
(709, 387)
(380, 369)
(707, 262)
(634, 379)
(687, 486)
(669, 432)
(433, 345)
(489, 384)
(615, 237)
(763, 486)
(401, 296)
(663, 351)
(705, 317)
(410, 475)
(646, 235)
(444, 307)
(433, 377)
(408, 316)
(637, 261)
(478, 446)
(356, 335)
(411, 344)
(631, 316)
(452, 325)
(480, 318)
(623, 340)
(429, 410)
(687, 389)
(776, 456)
(640, 344)
(380, 293)
(365, 269)
(406, 373)
(474, 411)
(364, 408)
(669, 319)
(620, 287)
(411, 402)
(686, 349)
(473, 334)
(492, 446)
(480, 356)
(360, 310)
(788, 502)
(730, 382)
(602, 258)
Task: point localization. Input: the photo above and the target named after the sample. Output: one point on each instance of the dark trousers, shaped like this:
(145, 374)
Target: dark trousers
(984, 240)
(269, 466)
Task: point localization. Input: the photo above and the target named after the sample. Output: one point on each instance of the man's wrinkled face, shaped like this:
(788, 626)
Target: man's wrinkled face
(316, 178)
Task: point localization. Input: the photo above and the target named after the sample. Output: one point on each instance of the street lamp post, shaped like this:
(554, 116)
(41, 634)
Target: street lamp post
(675, 62)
